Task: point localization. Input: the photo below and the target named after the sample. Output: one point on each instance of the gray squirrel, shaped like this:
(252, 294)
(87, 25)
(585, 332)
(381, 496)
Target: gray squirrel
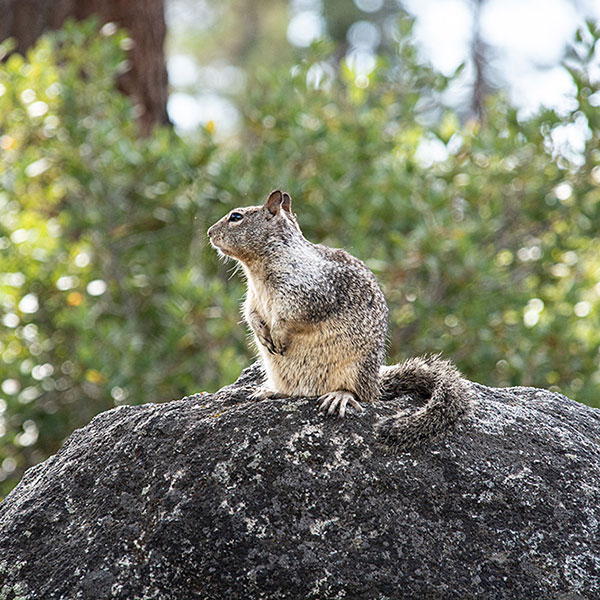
(319, 320)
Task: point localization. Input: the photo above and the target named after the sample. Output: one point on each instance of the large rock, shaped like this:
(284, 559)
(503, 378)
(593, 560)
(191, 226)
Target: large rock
(215, 496)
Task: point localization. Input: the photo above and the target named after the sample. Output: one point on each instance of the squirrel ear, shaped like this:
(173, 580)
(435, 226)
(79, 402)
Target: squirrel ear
(287, 202)
(274, 201)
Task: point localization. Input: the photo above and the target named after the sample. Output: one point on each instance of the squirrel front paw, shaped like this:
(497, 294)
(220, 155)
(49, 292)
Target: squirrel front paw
(263, 334)
(279, 347)
(272, 346)
(266, 341)
(338, 401)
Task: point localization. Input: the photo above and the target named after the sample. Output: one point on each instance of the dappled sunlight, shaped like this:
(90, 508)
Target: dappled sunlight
(483, 234)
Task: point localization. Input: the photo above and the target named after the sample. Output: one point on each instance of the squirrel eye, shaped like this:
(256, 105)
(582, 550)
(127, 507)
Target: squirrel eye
(235, 216)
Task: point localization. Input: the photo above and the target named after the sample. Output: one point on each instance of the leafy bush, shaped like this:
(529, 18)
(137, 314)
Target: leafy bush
(104, 299)
(489, 255)
(109, 293)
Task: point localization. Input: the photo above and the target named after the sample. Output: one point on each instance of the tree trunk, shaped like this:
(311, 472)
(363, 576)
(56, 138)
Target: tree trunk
(146, 82)
(481, 86)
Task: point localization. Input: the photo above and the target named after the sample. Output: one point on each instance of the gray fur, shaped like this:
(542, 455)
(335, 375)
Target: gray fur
(438, 381)
(319, 320)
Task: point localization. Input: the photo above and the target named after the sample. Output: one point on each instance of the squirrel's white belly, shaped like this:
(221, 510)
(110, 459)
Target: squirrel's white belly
(312, 369)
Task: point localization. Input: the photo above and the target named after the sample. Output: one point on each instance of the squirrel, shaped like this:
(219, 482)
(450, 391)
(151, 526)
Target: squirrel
(320, 319)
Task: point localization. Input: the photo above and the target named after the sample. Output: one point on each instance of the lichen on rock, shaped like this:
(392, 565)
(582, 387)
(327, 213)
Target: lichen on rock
(217, 496)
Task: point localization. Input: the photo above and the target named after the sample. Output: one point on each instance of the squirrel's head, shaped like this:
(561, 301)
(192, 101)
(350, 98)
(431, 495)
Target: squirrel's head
(252, 232)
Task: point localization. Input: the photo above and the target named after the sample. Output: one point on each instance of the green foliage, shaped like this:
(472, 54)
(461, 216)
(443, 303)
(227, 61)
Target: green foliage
(490, 256)
(109, 294)
(103, 296)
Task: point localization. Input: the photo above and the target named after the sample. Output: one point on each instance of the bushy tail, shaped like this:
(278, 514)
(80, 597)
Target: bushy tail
(427, 377)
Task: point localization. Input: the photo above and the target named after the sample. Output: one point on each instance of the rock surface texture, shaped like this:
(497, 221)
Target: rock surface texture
(218, 497)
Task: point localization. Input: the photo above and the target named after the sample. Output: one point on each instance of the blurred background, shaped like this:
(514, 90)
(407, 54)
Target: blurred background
(453, 145)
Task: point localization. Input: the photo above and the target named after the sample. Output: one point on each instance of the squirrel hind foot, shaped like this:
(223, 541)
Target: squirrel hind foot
(262, 393)
(338, 401)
